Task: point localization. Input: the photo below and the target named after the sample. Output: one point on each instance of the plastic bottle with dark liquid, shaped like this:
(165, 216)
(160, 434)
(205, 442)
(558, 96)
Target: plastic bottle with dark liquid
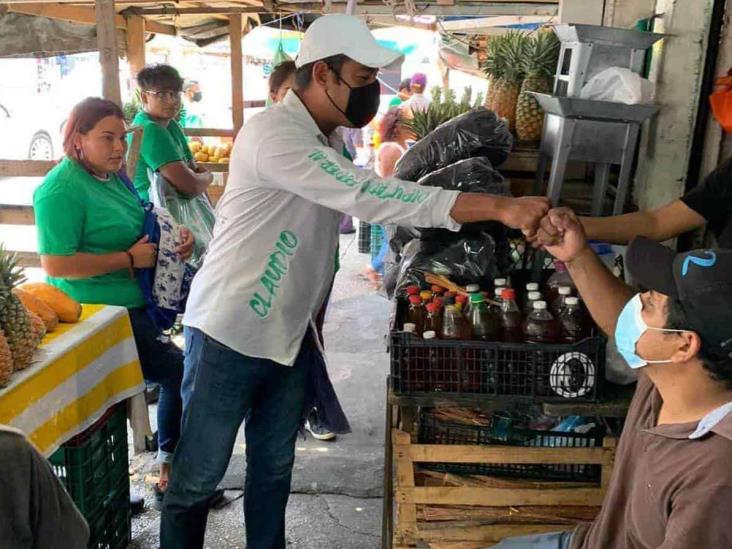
(531, 298)
(433, 318)
(557, 306)
(416, 314)
(511, 318)
(472, 290)
(530, 287)
(432, 373)
(576, 324)
(540, 326)
(484, 323)
(559, 278)
(454, 325)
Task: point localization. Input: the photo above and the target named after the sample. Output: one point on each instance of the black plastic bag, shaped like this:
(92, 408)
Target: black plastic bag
(464, 259)
(472, 175)
(478, 132)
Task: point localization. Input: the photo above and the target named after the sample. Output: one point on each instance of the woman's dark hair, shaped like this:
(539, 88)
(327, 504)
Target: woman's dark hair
(304, 75)
(160, 77)
(390, 125)
(84, 116)
(718, 365)
(280, 74)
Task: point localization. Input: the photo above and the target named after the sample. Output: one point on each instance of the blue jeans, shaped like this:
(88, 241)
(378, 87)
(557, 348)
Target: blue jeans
(225, 388)
(555, 540)
(162, 363)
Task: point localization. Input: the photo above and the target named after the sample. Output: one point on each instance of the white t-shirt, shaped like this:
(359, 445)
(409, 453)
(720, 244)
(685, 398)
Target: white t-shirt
(271, 260)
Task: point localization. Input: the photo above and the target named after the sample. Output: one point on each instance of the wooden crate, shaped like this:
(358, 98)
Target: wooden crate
(473, 515)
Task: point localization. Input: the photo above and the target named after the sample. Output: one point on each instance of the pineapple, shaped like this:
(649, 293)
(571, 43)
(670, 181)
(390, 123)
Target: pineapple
(38, 327)
(6, 360)
(510, 53)
(493, 67)
(542, 54)
(14, 320)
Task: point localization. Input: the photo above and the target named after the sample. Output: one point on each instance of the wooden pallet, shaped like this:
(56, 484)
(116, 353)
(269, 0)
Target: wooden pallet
(473, 516)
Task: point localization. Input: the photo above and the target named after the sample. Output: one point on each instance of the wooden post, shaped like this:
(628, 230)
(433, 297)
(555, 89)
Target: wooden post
(108, 52)
(237, 72)
(135, 47)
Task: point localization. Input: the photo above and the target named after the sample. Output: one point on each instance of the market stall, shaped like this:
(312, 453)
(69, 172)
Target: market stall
(79, 371)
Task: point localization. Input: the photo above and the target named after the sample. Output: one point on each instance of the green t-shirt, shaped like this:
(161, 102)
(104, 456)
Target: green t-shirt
(160, 146)
(76, 212)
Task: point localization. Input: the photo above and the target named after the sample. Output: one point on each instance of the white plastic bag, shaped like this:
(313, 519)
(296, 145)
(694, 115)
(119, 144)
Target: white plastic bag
(618, 85)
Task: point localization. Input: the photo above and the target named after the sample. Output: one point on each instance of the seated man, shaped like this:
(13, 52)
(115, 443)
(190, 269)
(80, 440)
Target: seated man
(672, 484)
(37, 513)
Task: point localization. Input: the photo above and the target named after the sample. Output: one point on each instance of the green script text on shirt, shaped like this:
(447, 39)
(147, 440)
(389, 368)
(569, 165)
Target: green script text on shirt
(161, 145)
(75, 212)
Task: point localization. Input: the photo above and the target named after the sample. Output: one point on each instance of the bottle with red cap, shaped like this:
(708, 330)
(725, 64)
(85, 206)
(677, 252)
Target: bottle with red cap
(433, 318)
(416, 314)
(511, 318)
(541, 326)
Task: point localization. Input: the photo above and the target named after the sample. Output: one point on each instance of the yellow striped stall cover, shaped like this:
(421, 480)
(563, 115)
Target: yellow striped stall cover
(79, 371)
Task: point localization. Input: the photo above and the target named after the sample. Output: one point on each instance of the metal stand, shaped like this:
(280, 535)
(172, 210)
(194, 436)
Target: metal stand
(597, 142)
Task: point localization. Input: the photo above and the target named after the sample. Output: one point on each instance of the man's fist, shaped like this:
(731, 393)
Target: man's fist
(561, 234)
(524, 213)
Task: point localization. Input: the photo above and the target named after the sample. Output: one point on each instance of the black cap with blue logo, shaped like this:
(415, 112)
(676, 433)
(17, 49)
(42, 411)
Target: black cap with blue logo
(700, 279)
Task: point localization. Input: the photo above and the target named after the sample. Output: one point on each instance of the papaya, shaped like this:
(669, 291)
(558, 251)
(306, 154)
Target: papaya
(37, 306)
(67, 309)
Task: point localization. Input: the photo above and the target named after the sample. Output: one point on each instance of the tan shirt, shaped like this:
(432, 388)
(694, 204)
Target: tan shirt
(668, 491)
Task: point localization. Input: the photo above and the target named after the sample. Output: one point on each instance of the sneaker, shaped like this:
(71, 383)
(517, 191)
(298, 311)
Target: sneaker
(317, 429)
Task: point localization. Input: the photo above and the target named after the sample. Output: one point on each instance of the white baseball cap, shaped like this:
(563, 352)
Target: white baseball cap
(339, 34)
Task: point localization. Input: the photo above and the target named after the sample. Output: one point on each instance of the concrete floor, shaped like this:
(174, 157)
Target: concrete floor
(337, 486)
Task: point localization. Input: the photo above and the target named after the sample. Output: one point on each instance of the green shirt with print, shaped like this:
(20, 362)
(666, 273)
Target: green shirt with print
(161, 145)
(76, 212)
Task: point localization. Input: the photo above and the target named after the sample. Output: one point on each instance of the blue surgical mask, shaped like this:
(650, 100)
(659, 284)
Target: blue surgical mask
(629, 329)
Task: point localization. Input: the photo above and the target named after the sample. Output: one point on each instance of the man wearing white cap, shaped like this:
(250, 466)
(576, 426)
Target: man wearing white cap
(250, 351)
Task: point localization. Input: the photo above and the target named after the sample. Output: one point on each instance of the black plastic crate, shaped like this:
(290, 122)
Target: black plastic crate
(547, 373)
(364, 237)
(435, 431)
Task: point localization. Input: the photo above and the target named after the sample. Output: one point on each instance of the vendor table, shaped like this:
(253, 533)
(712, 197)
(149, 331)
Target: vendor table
(79, 371)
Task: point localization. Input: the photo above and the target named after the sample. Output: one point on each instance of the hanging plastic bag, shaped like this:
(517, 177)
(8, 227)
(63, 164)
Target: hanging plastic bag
(472, 175)
(618, 85)
(478, 132)
(463, 259)
(197, 213)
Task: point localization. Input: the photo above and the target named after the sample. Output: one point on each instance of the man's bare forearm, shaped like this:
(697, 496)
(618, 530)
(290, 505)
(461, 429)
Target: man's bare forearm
(604, 294)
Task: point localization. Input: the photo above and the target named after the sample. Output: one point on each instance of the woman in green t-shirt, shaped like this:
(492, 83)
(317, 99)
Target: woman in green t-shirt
(90, 229)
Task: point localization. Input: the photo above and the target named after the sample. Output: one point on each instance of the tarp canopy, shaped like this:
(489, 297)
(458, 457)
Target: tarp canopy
(30, 36)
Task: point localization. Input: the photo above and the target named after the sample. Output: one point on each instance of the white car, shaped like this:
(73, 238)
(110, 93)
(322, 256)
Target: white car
(31, 132)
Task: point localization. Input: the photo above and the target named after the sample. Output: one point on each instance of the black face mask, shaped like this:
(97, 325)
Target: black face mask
(363, 102)
(197, 96)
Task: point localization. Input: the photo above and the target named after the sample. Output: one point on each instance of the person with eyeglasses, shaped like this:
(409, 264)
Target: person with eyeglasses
(164, 147)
